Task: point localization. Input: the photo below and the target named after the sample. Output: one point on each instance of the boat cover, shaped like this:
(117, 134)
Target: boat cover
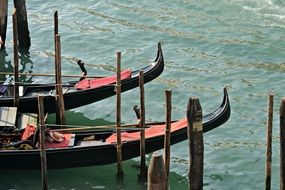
(154, 130)
(97, 82)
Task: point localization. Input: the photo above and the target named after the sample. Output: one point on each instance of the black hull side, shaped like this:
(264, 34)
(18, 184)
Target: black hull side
(79, 98)
(105, 154)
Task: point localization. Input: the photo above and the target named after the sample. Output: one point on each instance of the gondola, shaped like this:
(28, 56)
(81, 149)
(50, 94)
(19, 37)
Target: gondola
(75, 97)
(91, 147)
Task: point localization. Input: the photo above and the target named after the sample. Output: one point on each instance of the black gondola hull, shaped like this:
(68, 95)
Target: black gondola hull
(76, 98)
(106, 153)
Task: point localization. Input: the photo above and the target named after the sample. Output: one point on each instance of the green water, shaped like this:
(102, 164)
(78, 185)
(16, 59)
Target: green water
(208, 45)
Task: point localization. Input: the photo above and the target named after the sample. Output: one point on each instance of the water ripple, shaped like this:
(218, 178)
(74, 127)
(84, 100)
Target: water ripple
(124, 22)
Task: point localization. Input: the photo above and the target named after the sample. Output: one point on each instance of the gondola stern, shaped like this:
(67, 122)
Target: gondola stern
(226, 103)
(220, 116)
(159, 55)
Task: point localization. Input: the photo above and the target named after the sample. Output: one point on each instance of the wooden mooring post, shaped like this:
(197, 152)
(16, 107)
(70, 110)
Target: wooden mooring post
(3, 22)
(143, 169)
(120, 172)
(23, 32)
(269, 143)
(282, 144)
(55, 16)
(196, 144)
(42, 143)
(60, 115)
(16, 59)
(167, 134)
(55, 48)
(156, 178)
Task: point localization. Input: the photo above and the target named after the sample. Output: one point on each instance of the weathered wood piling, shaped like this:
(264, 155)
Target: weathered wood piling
(196, 144)
(60, 115)
(167, 134)
(143, 169)
(120, 172)
(42, 143)
(55, 20)
(269, 143)
(16, 59)
(282, 144)
(23, 29)
(3, 22)
(55, 47)
(156, 173)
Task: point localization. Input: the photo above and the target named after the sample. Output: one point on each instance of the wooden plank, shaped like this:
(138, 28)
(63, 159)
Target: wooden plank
(8, 116)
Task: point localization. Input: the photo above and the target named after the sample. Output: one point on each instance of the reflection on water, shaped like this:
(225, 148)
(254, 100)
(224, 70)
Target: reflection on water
(5, 65)
(25, 65)
(78, 118)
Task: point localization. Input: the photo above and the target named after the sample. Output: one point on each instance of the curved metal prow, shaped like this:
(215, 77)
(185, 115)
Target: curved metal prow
(159, 50)
(219, 116)
(137, 111)
(81, 65)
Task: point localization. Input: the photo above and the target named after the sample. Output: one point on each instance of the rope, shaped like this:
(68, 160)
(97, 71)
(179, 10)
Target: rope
(50, 75)
(37, 84)
(83, 128)
(134, 126)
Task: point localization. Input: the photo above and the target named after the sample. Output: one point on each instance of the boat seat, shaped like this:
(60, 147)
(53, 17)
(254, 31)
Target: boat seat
(8, 116)
(27, 119)
(69, 140)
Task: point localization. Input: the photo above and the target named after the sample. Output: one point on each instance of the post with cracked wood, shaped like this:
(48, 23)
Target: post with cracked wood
(156, 176)
(196, 144)
(167, 134)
